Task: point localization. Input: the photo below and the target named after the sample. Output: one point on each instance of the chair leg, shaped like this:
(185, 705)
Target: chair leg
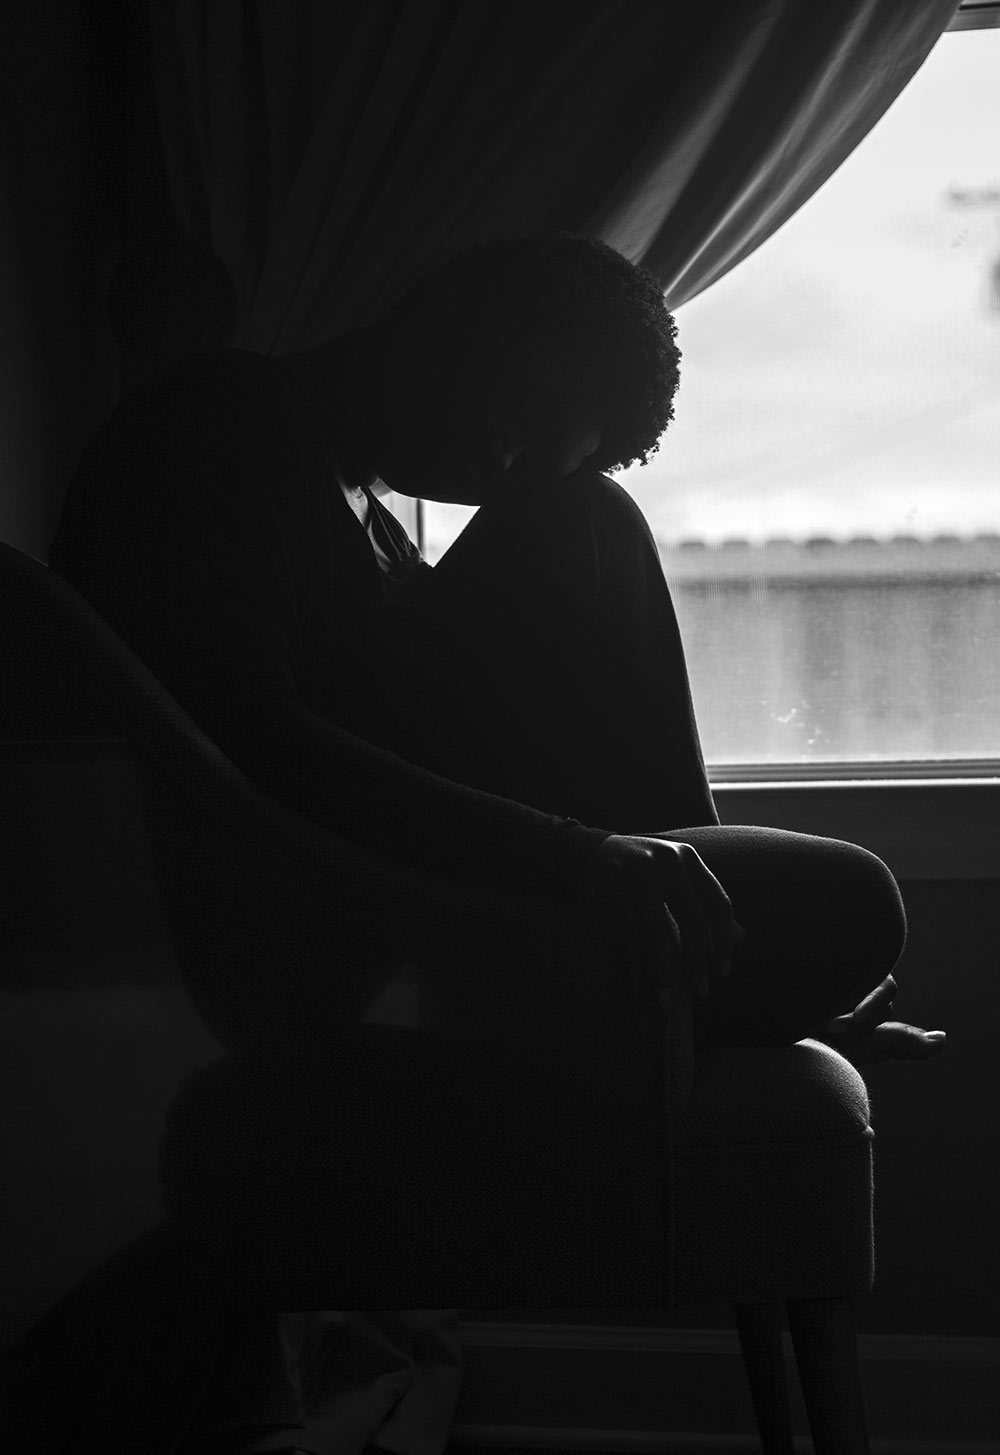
(759, 1326)
(825, 1340)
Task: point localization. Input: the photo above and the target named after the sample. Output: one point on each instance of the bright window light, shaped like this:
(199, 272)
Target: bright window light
(827, 500)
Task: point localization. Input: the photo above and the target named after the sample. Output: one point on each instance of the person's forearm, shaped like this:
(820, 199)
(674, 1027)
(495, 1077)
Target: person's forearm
(385, 803)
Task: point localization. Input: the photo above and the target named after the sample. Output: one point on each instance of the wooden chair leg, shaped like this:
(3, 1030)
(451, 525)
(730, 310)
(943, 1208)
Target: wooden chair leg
(825, 1340)
(759, 1326)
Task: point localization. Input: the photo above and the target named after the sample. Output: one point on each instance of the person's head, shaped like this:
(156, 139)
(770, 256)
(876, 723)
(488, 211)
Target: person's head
(520, 359)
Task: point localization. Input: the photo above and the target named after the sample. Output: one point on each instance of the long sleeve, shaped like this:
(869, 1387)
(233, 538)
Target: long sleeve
(206, 524)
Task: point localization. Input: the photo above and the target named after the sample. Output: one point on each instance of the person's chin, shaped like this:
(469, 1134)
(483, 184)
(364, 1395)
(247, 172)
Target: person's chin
(472, 498)
(442, 493)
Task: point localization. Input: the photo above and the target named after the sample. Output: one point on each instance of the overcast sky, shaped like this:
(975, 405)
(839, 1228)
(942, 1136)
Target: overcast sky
(845, 378)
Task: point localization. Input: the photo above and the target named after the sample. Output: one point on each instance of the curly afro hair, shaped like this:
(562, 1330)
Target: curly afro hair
(609, 312)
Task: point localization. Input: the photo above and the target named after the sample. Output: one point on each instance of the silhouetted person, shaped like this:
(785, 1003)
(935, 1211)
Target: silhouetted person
(519, 715)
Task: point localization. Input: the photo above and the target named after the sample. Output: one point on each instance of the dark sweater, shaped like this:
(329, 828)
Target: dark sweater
(206, 524)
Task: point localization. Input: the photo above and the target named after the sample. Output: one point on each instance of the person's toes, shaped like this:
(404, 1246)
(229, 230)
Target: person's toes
(890, 1041)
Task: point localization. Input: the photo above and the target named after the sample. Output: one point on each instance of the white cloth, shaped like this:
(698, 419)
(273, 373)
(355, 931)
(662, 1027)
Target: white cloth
(388, 1378)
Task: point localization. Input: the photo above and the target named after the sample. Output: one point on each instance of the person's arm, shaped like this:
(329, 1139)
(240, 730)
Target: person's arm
(191, 526)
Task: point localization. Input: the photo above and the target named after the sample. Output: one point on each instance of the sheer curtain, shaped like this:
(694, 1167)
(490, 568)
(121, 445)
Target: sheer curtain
(326, 154)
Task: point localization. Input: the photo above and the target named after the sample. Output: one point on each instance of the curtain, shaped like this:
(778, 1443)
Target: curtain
(749, 139)
(327, 154)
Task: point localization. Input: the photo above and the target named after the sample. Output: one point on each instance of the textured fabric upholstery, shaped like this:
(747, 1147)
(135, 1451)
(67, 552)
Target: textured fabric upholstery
(284, 933)
(745, 1095)
(774, 1176)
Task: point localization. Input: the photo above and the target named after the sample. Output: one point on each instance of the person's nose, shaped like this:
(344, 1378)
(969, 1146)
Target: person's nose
(507, 461)
(501, 457)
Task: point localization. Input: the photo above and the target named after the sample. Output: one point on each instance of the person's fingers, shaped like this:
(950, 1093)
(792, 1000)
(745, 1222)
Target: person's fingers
(687, 906)
(661, 936)
(891, 1041)
(699, 907)
(877, 1004)
(670, 898)
(869, 1012)
(623, 879)
(716, 912)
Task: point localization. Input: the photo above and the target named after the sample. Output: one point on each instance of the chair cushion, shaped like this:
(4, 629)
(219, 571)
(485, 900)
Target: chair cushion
(748, 1094)
(774, 1177)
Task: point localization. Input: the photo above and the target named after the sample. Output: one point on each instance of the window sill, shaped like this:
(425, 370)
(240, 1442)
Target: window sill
(924, 827)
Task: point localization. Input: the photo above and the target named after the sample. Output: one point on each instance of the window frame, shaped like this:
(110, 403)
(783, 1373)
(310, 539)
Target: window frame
(928, 819)
(929, 828)
(976, 15)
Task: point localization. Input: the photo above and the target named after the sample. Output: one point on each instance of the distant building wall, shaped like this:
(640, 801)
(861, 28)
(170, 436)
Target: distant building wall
(861, 649)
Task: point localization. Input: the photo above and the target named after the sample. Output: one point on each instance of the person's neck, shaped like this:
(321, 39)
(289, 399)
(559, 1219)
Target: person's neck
(341, 381)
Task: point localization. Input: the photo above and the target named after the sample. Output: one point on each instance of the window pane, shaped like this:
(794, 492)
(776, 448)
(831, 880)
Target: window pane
(827, 500)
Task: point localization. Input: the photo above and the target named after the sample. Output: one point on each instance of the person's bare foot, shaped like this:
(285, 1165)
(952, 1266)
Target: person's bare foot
(890, 1041)
(866, 1036)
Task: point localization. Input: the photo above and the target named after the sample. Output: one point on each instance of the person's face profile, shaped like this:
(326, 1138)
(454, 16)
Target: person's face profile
(539, 407)
(482, 417)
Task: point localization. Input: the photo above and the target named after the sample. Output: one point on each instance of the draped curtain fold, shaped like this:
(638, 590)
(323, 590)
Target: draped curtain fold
(327, 154)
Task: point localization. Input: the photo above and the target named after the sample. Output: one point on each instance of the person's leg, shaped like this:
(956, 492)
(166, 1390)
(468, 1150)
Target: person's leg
(824, 923)
(543, 662)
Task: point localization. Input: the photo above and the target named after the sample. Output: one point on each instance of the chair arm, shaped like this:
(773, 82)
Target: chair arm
(285, 933)
(346, 921)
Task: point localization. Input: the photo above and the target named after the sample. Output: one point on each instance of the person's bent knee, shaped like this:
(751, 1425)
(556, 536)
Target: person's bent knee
(825, 894)
(869, 891)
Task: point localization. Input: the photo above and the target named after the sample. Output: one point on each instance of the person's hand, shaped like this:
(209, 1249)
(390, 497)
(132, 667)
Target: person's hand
(866, 1034)
(670, 901)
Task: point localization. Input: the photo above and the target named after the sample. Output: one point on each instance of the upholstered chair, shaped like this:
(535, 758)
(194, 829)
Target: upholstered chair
(148, 1107)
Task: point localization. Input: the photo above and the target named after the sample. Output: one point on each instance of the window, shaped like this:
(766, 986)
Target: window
(827, 501)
